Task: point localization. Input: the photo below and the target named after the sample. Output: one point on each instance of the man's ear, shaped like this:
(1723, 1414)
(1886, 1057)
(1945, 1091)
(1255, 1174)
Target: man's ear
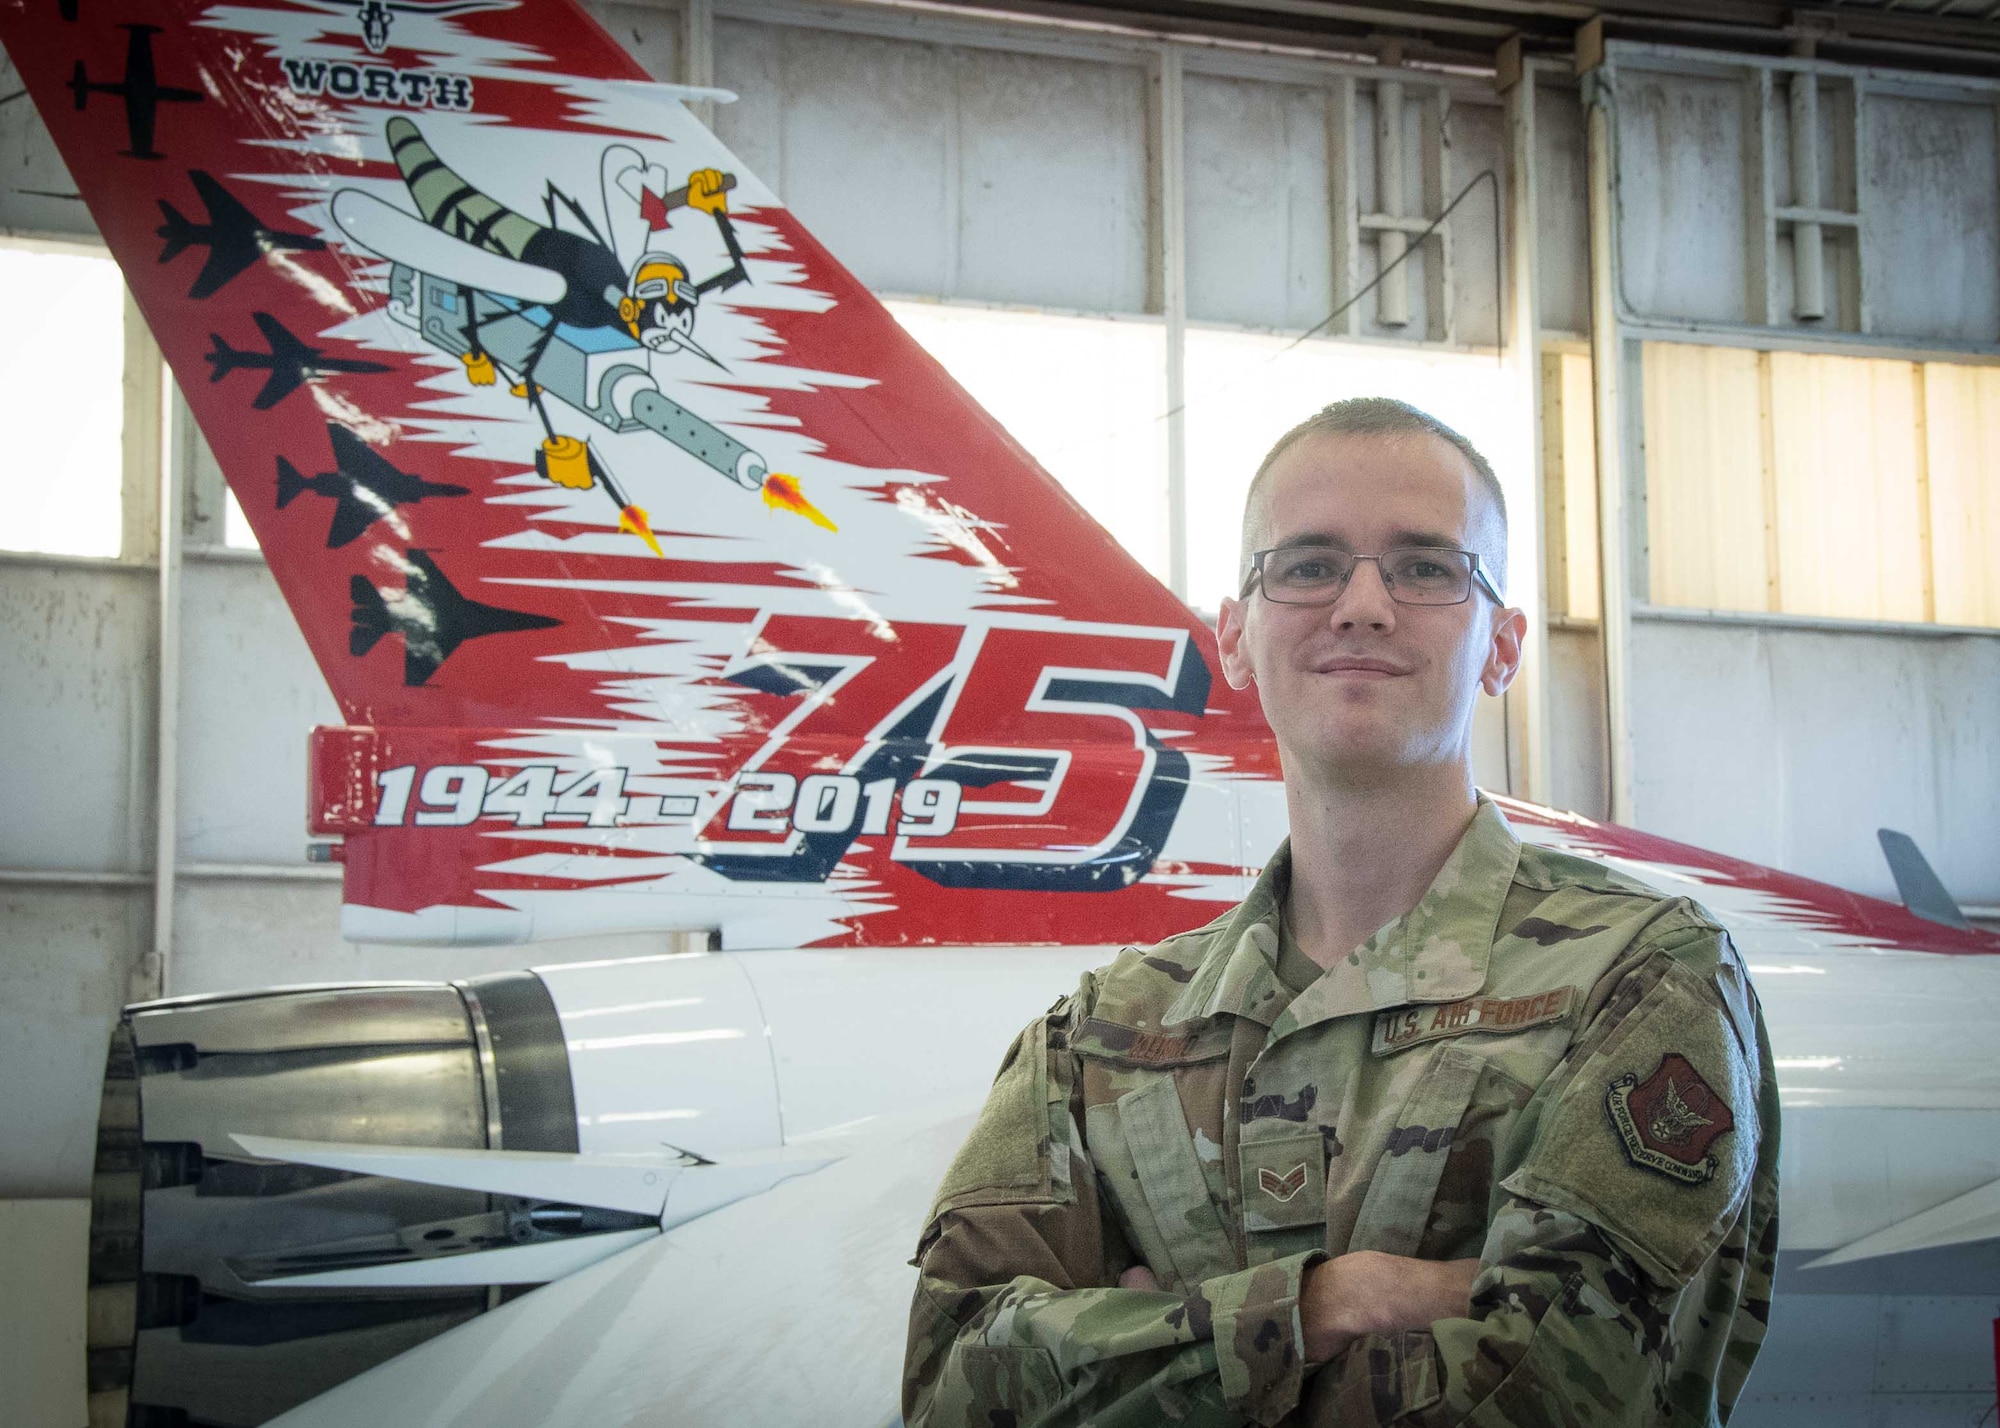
(1229, 639)
(1503, 658)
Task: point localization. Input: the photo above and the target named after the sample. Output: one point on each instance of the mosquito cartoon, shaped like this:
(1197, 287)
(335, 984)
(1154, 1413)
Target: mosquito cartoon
(551, 306)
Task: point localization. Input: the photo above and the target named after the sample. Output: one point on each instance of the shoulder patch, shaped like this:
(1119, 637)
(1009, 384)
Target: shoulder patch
(1669, 1120)
(1408, 1026)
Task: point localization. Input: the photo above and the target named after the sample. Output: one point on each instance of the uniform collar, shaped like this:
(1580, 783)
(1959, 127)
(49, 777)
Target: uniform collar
(1436, 952)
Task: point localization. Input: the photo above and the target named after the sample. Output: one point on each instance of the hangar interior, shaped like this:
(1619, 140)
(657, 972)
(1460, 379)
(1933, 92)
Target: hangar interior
(1716, 287)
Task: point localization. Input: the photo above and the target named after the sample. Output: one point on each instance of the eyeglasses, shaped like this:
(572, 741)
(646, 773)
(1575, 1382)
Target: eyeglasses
(1412, 574)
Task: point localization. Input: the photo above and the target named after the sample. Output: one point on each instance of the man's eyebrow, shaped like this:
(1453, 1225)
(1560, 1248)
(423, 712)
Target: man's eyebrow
(1426, 538)
(1400, 538)
(1316, 538)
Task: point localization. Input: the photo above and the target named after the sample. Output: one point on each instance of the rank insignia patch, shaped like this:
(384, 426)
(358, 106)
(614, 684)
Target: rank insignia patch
(1282, 1187)
(1669, 1120)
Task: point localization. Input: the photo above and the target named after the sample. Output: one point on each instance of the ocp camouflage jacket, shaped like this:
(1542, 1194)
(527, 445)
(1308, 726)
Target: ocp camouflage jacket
(1543, 1065)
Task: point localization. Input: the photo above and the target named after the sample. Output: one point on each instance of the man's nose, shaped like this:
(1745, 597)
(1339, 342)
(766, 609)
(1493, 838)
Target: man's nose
(1365, 601)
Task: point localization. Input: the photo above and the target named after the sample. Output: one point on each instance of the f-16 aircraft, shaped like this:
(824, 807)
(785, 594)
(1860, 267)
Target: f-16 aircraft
(937, 749)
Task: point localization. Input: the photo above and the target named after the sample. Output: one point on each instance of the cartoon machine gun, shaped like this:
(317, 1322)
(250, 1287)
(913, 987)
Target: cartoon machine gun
(542, 304)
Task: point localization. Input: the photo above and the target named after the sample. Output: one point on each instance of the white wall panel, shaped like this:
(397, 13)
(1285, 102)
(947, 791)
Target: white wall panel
(34, 185)
(1562, 210)
(1681, 213)
(44, 1244)
(1051, 182)
(1259, 220)
(939, 171)
(1475, 144)
(76, 689)
(63, 959)
(1792, 746)
(651, 34)
(250, 693)
(1931, 218)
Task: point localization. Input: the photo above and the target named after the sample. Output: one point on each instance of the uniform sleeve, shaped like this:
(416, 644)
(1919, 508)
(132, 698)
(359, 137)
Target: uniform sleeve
(1017, 1318)
(1626, 1272)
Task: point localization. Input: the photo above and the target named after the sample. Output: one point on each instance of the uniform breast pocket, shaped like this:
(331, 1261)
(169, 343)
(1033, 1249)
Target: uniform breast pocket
(1153, 1168)
(1432, 1183)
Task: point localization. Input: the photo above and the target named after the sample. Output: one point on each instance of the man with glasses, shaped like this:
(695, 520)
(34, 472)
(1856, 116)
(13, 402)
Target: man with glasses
(1435, 1127)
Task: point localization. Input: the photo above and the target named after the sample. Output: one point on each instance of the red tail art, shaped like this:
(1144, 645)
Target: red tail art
(662, 580)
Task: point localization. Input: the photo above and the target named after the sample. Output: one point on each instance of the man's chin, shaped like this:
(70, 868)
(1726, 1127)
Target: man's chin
(1360, 752)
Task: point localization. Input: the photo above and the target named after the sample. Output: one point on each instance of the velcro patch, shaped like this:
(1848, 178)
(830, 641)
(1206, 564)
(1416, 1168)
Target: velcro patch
(1410, 1026)
(1669, 1120)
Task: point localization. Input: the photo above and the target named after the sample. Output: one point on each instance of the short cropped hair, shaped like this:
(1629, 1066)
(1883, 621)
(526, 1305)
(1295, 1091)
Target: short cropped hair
(1375, 416)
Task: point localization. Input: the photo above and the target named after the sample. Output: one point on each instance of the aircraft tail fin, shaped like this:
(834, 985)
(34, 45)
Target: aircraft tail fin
(973, 716)
(1917, 883)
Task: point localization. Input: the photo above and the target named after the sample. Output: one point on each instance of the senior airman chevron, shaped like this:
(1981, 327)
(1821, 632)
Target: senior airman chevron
(1410, 1026)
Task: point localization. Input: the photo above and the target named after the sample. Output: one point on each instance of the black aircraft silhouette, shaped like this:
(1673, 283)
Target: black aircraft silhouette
(290, 362)
(140, 89)
(363, 484)
(233, 236)
(430, 615)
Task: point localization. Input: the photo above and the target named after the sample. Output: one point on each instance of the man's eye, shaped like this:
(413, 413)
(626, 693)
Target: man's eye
(1306, 570)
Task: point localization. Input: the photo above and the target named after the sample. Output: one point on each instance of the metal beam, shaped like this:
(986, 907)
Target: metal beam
(1528, 701)
(1607, 350)
(1169, 195)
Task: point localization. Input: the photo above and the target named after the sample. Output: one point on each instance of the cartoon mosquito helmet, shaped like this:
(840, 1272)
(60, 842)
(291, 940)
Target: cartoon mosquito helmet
(660, 301)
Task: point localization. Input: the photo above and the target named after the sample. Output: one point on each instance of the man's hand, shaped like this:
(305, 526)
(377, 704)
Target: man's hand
(1138, 1277)
(1368, 1292)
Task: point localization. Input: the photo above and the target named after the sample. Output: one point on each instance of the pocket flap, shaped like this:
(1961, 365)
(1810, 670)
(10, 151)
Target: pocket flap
(1398, 1203)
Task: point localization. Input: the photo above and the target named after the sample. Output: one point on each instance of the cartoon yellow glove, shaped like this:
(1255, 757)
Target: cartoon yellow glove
(478, 368)
(705, 191)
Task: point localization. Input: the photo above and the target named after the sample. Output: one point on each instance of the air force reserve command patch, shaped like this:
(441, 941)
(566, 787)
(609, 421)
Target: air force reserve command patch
(1669, 1120)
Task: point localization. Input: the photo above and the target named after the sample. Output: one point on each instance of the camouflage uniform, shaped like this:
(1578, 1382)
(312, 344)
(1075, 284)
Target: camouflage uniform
(1543, 1065)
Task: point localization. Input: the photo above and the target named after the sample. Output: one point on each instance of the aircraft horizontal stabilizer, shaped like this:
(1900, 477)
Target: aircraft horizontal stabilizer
(636, 1185)
(673, 1186)
(1970, 1217)
(512, 1264)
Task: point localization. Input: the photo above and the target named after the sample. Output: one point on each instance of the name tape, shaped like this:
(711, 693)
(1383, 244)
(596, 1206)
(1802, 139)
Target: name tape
(1407, 1026)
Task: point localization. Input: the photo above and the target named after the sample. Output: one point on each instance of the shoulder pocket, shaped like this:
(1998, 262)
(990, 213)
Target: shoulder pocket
(1018, 1152)
(1655, 1137)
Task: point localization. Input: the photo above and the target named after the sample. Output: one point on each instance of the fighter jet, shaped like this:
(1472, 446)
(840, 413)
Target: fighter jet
(430, 614)
(233, 236)
(363, 484)
(290, 362)
(139, 88)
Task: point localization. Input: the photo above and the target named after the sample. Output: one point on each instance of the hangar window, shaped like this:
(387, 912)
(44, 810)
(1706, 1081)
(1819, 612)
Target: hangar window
(61, 401)
(1813, 484)
(1086, 396)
